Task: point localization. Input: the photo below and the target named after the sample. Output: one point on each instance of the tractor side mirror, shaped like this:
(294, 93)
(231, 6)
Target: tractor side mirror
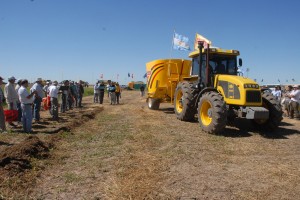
(240, 62)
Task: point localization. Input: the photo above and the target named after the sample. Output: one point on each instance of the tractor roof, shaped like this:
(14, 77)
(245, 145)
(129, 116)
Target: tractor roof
(216, 50)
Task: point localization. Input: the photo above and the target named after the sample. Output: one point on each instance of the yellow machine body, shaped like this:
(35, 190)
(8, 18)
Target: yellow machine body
(163, 76)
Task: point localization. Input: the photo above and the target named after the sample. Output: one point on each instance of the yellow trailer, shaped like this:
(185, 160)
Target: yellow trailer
(162, 78)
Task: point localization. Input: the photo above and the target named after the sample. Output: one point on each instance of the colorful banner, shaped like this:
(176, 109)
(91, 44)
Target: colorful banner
(201, 38)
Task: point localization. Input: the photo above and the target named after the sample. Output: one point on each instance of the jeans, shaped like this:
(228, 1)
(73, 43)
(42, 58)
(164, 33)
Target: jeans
(96, 97)
(26, 117)
(19, 112)
(63, 106)
(54, 108)
(79, 100)
(118, 95)
(37, 108)
(112, 98)
(101, 96)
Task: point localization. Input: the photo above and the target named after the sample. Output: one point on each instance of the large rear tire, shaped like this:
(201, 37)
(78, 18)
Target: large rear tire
(275, 113)
(184, 102)
(212, 113)
(153, 103)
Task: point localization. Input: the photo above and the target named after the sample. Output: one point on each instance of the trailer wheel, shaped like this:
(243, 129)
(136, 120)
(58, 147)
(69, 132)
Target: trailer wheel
(184, 102)
(212, 113)
(153, 103)
(275, 113)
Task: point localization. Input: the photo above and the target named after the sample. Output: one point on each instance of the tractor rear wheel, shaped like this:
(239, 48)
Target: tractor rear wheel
(275, 113)
(212, 112)
(153, 103)
(184, 101)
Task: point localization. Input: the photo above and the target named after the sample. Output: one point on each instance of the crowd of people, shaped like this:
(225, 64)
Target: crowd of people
(289, 99)
(27, 103)
(113, 91)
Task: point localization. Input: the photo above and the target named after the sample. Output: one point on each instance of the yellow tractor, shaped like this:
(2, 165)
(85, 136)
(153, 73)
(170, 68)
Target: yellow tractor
(214, 91)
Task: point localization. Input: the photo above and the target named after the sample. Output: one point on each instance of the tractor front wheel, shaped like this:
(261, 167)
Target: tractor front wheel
(212, 113)
(275, 113)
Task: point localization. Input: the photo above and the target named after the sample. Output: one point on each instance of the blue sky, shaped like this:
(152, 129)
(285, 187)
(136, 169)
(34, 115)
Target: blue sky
(81, 39)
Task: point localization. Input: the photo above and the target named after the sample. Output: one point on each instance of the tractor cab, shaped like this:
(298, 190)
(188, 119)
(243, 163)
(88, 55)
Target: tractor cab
(215, 61)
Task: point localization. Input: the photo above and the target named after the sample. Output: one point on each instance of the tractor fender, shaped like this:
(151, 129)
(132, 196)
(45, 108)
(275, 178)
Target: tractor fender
(207, 89)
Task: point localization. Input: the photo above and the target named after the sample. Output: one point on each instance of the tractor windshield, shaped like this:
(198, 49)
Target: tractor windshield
(223, 64)
(218, 64)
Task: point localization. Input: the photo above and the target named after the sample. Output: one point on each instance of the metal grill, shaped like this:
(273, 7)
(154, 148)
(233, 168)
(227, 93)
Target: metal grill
(253, 96)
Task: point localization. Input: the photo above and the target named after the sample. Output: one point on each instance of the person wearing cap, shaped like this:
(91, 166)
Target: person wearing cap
(10, 94)
(38, 98)
(2, 117)
(53, 93)
(295, 101)
(26, 100)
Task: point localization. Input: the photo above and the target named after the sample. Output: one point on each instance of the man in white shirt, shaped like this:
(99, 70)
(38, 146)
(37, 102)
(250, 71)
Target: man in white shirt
(26, 103)
(38, 98)
(53, 93)
(295, 101)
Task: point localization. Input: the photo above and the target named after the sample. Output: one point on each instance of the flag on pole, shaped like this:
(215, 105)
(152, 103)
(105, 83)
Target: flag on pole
(262, 80)
(201, 38)
(101, 76)
(131, 75)
(180, 42)
(117, 76)
(145, 75)
(278, 80)
(128, 74)
(293, 80)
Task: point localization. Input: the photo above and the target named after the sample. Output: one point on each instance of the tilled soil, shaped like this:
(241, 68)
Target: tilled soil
(127, 151)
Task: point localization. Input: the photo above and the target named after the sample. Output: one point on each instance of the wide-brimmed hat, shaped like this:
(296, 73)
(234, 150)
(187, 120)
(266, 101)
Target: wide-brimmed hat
(12, 78)
(55, 82)
(295, 86)
(39, 79)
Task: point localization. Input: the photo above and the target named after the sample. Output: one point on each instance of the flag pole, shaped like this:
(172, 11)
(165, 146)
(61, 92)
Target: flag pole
(172, 44)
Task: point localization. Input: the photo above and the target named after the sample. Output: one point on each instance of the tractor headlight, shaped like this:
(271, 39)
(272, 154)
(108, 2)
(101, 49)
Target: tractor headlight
(255, 86)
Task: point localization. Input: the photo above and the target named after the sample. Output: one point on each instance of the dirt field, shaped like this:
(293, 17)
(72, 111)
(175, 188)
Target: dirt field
(127, 151)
